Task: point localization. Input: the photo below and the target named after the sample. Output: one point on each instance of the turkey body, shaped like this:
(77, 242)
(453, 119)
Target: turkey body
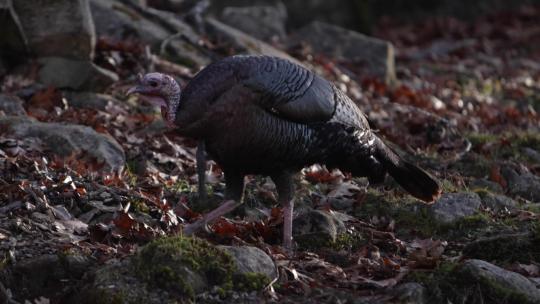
(265, 115)
(269, 116)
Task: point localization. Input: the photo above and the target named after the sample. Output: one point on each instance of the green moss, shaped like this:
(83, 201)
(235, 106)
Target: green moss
(523, 248)
(343, 241)
(250, 281)
(163, 263)
(479, 139)
(181, 265)
(508, 145)
(139, 205)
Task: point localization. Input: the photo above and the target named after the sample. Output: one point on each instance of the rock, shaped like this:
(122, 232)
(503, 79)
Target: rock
(507, 248)
(12, 37)
(66, 140)
(487, 185)
(175, 270)
(11, 105)
(74, 74)
(452, 207)
(116, 283)
(497, 283)
(120, 21)
(346, 45)
(409, 293)
(45, 275)
(442, 48)
(521, 182)
(242, 42)
(266, 23)
(250, 259)
(62, 28)
(532, 154)
(89, 100)
(317, 228)
(497, 202)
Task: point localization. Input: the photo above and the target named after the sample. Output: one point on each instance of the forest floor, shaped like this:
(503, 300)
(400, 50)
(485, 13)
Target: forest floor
(464, 108)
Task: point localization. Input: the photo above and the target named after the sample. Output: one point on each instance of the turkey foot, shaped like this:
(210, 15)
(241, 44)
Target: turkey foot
(211, 216)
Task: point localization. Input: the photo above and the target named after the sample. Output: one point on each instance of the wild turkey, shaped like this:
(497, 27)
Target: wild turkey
(266, 115)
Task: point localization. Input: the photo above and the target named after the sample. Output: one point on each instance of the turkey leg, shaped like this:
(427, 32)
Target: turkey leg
(201, 170)
(285, 188)
(233, 193)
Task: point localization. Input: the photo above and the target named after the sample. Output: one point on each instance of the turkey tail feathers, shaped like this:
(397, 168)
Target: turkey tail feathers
(413, 179)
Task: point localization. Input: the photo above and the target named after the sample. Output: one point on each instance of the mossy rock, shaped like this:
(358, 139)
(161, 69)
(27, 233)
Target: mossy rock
(170, 270)
(414, 216)
(183, 265)
(476, 281)
(505, 248)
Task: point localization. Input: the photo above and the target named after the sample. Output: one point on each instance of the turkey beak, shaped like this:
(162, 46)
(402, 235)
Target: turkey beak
(133, 90)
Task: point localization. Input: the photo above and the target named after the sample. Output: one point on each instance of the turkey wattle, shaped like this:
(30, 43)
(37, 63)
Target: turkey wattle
(266, 115)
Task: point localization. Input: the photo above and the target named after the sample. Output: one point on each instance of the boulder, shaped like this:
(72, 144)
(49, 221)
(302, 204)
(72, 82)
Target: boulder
(89, 100)
(61, 28)
(317, 228)
(411, 292)
(44, 276)
(521, 182)
(452, 207)
(74, 74)
(346, 45)
(175, 270)
(240, 41)
(498, 202)
(163, 31)
(266, 23)
(496, 283)
(250, 259)
(66, 140)
(11, 105)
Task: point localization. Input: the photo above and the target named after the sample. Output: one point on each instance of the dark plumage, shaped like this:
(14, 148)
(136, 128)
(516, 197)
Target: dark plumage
(269, 116)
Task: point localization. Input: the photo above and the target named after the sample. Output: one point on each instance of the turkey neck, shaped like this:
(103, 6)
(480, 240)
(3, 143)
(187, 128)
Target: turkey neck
(188, 116)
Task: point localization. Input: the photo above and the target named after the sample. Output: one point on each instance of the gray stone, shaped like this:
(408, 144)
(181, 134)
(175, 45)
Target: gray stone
(346, 45)
(74, 74)
(65, 139)
(317, 226)
(410, 293)
(498, 202)
(262, 22)
(164, 32)
(252, 259)
(89, 100)
(498, 282)
(532, 154)
(452, 207)
(44, 275)
(117, 280)
(521, 182)
(242, 42)
(11, 105)
(61, 28)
